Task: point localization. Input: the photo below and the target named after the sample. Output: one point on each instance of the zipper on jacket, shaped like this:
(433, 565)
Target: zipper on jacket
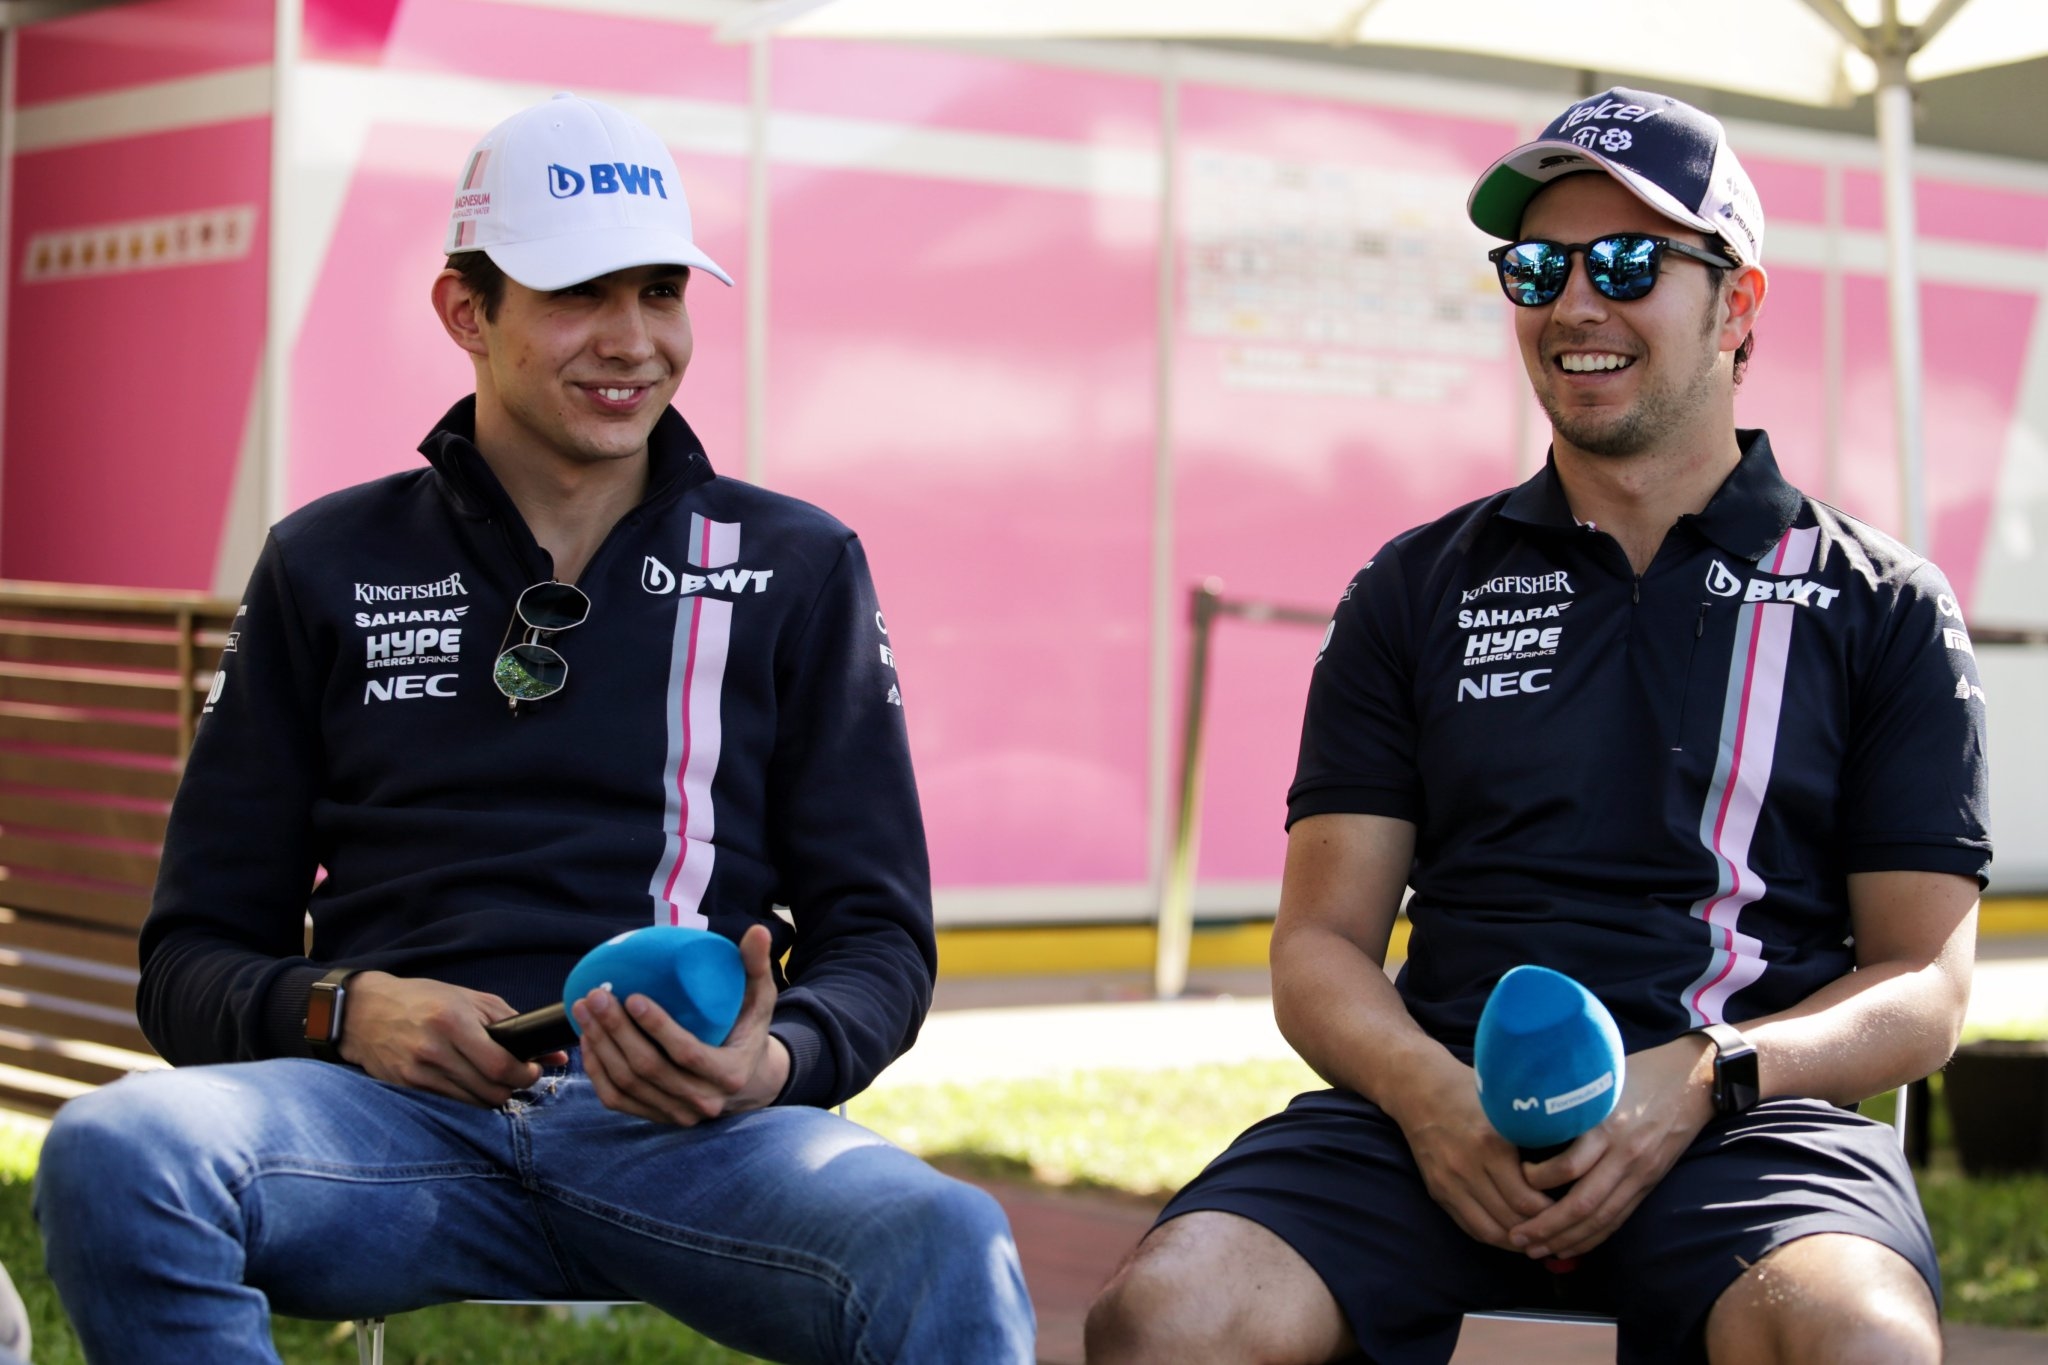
(624, 524)
(1692, 654)
(523, 574)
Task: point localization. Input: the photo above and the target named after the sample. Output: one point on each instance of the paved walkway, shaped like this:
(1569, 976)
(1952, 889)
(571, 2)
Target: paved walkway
(995, 1028)
(1072, 1242)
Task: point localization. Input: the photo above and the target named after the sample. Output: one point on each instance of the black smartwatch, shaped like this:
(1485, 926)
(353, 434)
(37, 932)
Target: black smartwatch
(324, 1004)
(1736, 1087)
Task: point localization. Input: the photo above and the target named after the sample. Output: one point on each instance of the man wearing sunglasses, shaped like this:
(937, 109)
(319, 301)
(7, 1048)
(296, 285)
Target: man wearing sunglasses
(561, 682)
(1653, 719)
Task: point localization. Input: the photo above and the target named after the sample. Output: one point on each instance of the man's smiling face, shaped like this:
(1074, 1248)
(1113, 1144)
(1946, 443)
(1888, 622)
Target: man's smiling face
(1616, 378)
(583, 373)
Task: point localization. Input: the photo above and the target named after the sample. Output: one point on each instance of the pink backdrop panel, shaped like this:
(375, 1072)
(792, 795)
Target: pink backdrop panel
(964, 375)
(1976, 345)
(157, 40)
(1974, 341)
(1942, 208)
(371, 330)
(1339, 132)
(589, 53)
(128, 392)
(1784, 390)
(347, 30)
(955, 90)
(1790, 191)
(1284, 494)
(1869, 486)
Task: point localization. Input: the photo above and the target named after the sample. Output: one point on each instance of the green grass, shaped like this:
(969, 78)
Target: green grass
(459, 1334)
(1142, 1134)
(1992, 1237)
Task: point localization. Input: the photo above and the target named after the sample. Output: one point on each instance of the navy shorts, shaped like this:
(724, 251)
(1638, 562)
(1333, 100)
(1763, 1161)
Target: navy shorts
(1331, 1176)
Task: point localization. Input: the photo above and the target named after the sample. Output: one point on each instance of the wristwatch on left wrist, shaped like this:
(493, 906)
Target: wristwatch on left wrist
(324, 1006)
(1737, 1087)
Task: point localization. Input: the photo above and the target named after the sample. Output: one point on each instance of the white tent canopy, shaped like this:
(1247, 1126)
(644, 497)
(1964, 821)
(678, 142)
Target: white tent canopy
(1818, 52)
(1780, 49)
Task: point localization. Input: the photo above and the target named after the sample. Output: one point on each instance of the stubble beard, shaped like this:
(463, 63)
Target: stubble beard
(1659, 408)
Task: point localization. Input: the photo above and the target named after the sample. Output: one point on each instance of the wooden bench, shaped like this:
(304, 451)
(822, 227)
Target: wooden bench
(99, 692)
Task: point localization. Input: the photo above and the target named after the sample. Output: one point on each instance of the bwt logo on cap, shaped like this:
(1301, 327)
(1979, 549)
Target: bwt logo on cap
(606, 177)
(572, 190)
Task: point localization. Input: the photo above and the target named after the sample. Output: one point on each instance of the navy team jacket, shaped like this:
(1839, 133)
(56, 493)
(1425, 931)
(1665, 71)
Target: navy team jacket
(730, 739)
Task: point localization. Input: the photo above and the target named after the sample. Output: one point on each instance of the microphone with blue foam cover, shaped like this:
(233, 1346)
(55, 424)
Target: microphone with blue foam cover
(693, 974)
(1549, 1060)
(1550, 1066)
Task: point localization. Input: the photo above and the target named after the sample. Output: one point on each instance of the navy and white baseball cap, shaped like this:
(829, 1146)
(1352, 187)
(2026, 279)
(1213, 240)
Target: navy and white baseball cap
(570, 190)
(1670, 155)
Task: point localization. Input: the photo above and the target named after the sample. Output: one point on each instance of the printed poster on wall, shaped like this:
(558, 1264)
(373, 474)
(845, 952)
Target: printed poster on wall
(1322, 278)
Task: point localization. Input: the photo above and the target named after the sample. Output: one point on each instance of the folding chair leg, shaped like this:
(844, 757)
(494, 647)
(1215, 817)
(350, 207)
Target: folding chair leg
(369, 1341)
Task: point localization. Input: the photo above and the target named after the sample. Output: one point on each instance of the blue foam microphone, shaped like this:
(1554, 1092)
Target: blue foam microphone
(1550, 1066)
(693, 974)
(1548, 1058)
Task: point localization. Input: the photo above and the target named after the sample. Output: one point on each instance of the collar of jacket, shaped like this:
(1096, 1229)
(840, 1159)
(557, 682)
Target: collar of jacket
(676, 463)
(1748, 512)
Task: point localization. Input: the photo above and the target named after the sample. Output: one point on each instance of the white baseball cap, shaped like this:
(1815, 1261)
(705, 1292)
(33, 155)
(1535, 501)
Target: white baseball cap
(570, 190)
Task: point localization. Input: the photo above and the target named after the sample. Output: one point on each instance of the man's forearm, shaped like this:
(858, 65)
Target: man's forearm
(854, 1005)
(1336, 1007)
(1862, 1034)
(1895, 1018)
(202, 999)
(1331, 997)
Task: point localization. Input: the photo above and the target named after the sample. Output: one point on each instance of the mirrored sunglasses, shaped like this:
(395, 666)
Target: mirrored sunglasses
(529, 670)
(1622, 266)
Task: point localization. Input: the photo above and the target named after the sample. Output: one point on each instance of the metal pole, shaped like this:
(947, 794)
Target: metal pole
(1895, 138)
(279, 335)
(760, 196)
(10, 76)
(1177, 893)
(1159, 610)
(188, 641)
(1832, 343)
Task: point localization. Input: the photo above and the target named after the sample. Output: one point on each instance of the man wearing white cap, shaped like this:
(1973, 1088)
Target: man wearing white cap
(397, 712)
(1655, 720)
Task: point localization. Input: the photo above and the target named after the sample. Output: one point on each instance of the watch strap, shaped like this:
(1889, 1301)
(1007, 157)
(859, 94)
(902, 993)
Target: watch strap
(1737, 1087)
(326, 1003)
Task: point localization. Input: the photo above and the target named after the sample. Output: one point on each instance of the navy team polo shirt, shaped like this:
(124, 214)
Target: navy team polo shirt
(1656, 785)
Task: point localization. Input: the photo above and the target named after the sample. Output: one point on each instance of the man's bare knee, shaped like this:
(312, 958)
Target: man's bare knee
(1215, 1287)
(1829, 1298)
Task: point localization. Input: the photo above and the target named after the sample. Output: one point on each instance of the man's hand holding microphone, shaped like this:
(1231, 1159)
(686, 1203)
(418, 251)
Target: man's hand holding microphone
(673, 1023)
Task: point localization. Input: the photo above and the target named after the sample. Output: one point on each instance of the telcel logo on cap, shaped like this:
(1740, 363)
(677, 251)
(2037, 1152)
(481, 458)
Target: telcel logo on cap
(1673, 157)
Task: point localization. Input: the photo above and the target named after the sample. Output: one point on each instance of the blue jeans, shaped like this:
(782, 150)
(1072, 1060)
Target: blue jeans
(179, 1208)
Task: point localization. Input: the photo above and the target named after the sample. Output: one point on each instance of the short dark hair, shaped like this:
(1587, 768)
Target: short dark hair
(1716, 242)
(1742, 354)
(482, 277)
